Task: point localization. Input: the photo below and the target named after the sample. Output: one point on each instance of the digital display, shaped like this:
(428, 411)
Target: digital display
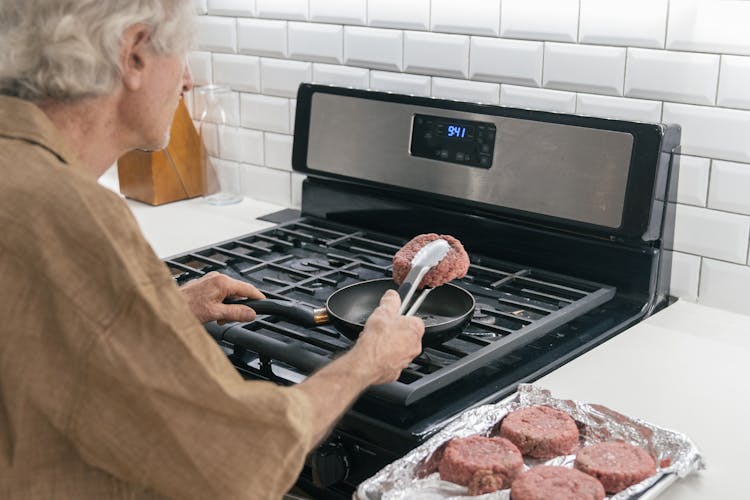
(453, 140)
(458, 131)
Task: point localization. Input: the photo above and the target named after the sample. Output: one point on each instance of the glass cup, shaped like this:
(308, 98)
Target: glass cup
(222, 183)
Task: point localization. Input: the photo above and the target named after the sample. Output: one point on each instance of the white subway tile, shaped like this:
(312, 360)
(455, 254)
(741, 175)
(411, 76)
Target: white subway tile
(316, 42)
(338, 11)
(552, 20)
(216, 34)
(373, 48)
(730, 187)
(266, 184)
(479, 17)
(282, 78)
(241, 145)
(584, 67)
(229, 102)
(200, 7)
(685, 277)
(297, 180)
(278, 149)
(262, 37)
(237, 71)
(692, 183)
(712, 132)
(296, 10)
(436, 54)
(619, 108)
(710, 233)
(292, 114)
(725, 285)
(265, 112)
(344, 76)
(464, 90)
(400, 83)
(231, 7)
(542, 99)
(734, 82)
(672, 76)
(709, 26)
(411, 15)
(200, 67)
(634, 23)
(506, 61)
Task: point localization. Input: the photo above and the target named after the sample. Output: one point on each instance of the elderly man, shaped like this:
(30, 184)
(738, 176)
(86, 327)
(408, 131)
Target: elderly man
(109, 386)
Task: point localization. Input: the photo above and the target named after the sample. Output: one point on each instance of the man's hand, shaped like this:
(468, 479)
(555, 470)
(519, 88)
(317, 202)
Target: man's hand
(389, 341)
(205, 298)
(385, 347)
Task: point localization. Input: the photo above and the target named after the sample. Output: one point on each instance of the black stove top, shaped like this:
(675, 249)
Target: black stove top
(306, 260)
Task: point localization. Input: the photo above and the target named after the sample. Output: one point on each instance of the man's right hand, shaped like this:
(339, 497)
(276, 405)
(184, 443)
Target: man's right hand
(389, 341)
(385, 347)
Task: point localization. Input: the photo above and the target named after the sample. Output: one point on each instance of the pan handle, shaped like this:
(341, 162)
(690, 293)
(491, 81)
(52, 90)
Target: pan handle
(297, 313)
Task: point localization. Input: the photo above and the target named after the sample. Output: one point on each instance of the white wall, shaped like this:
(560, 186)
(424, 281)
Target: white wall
(677, 61)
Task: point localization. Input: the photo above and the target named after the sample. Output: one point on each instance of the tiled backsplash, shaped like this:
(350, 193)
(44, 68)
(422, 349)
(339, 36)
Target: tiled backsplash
(676, 61)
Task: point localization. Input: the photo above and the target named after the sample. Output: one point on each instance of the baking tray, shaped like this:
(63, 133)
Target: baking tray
(675, 454)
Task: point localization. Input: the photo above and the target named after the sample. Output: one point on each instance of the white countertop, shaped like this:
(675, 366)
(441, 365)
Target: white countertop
(189, 224)
(685, 368)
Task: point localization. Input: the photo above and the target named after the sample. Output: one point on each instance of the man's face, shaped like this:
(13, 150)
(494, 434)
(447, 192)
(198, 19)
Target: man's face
(167, 81)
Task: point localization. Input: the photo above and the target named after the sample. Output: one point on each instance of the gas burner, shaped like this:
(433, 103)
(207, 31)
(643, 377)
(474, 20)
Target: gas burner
(315, 285)
(309, 264)
(482, 315)
(482, 333)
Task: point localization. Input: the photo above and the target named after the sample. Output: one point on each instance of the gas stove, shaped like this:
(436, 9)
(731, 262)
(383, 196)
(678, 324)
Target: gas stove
(564, 218)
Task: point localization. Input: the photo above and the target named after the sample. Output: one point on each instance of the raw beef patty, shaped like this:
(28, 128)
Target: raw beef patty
(464, 457)
(561, 483)
(454, 265)
(616, 464)
(540, 431)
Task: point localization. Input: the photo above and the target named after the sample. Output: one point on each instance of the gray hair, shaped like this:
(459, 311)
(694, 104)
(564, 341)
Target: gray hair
(70, 49)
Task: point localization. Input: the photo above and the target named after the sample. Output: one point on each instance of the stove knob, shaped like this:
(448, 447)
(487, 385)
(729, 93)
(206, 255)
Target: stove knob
(330, 464)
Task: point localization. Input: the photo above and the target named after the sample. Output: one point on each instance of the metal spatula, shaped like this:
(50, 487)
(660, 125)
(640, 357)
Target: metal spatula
(425, 259)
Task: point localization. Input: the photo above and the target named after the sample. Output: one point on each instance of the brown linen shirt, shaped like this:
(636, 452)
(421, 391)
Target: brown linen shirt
(109, 386)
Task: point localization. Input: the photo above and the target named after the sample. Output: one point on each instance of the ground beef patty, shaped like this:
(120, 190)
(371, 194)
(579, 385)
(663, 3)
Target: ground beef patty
(561, 483)
(464, 457)
(485, 481)
(616, 464)
(454, 265)
(540, 431)
(430, 464)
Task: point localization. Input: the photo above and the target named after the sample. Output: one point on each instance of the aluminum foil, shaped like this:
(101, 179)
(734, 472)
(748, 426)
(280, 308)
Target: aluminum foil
(411, 478)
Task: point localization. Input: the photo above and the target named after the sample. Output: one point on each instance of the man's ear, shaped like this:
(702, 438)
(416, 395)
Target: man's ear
(134, 55)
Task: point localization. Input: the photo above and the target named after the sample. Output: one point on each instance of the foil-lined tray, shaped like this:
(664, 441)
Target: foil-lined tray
(411, 478)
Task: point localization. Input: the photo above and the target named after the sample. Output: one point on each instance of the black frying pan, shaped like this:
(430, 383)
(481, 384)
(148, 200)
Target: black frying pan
(446, 311)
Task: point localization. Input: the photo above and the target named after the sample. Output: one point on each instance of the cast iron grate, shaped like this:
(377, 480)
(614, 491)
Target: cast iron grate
(308, 259)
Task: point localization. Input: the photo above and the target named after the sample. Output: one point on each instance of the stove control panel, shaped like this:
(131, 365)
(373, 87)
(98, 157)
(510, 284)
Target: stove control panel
(455, 141)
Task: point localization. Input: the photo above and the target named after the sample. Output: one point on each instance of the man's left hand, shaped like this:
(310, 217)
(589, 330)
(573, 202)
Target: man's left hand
(205, 297)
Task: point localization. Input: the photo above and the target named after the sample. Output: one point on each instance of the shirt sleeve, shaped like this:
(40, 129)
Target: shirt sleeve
(163, 408)
(156, 402)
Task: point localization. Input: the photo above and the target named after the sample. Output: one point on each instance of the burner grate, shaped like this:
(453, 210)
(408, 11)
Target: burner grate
(308, 259)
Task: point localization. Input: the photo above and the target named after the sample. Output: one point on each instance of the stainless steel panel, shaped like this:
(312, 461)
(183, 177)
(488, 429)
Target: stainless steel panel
(564, 171)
